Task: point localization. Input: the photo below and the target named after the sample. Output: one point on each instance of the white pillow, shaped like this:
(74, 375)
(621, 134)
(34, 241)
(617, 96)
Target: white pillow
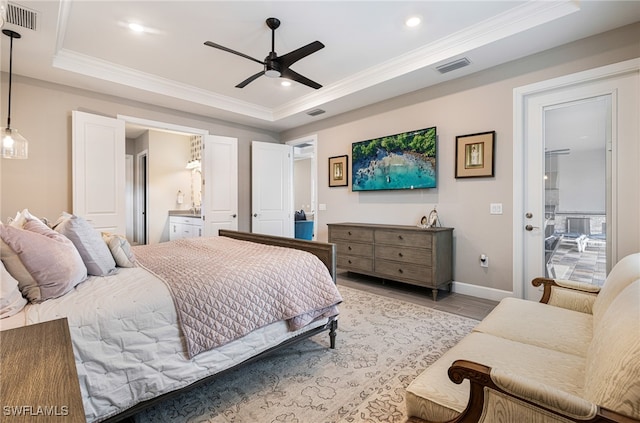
(95, 254)
(120, 249)
(11, 300)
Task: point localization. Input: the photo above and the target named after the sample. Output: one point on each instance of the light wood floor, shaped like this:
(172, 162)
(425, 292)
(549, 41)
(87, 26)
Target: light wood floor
(463, 305)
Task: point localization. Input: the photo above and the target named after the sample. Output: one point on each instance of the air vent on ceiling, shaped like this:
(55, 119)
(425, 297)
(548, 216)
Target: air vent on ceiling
(451, 66)
(21, 16)
(315, 112)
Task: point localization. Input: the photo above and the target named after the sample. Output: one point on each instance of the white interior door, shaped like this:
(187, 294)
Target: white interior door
(220, 184)
(98, 175)
(272, 189)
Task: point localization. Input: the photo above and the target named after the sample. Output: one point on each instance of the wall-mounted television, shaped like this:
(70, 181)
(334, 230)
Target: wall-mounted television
(401, 161)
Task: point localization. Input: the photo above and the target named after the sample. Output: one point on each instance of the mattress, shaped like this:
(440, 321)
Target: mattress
(127, 344)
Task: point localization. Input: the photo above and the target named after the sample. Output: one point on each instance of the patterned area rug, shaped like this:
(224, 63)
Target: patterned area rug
(382, 345)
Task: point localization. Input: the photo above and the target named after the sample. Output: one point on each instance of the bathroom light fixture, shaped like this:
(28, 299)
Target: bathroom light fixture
(14, 145)
(193, 164)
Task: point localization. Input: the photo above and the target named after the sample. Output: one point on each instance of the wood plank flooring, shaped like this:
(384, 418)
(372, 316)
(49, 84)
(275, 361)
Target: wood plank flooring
(463, 305)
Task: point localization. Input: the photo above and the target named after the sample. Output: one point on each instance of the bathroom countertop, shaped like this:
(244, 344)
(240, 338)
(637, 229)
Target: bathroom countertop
(184, 213)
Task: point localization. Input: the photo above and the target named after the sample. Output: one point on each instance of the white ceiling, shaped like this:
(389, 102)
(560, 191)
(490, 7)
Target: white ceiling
(369, 54)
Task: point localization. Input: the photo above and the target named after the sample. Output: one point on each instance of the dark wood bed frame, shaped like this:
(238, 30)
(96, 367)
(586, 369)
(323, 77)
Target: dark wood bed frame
(326, 252)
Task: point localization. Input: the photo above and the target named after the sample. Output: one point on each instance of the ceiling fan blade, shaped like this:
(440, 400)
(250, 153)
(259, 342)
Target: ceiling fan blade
(218, 46)
(295, 76)
(250, 79)
(295, 55)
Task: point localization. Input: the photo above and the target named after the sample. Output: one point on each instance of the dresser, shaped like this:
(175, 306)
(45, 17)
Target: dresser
(39, 380)
(401, 253)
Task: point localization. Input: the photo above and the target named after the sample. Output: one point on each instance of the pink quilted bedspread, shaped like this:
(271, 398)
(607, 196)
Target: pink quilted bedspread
(225, 288)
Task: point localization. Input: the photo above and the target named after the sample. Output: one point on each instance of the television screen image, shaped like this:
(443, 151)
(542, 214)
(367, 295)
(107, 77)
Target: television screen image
(400, 161)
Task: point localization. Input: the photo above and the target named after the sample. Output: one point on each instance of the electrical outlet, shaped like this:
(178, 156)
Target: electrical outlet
(495, 208)
(484, 260)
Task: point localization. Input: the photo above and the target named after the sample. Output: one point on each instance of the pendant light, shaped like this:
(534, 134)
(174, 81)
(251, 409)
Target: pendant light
(14, 145)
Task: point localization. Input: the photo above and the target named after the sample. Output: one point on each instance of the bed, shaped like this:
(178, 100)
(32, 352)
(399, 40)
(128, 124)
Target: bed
(131, 335)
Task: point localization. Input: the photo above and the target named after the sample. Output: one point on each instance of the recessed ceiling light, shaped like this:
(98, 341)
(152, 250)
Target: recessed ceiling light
(285, 83)
(136, 27)
(413, 21)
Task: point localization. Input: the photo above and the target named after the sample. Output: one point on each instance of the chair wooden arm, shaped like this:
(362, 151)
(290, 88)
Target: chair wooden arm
(479, 377)
(549, 284)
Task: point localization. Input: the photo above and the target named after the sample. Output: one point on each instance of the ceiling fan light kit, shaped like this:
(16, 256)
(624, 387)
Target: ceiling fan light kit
(277, 66)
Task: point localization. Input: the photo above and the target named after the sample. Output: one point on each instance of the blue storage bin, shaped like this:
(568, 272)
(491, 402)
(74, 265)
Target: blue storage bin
(304, 229)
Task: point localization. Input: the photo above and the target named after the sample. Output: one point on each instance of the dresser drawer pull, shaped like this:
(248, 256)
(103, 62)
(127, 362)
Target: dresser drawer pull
(400, 237)
(349, 261)
(349, 233)
(400, 255)
(400, 271)
(349, 248)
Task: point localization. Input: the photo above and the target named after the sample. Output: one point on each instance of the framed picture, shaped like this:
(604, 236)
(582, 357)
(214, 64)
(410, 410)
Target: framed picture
(474, 155)
(339, 171)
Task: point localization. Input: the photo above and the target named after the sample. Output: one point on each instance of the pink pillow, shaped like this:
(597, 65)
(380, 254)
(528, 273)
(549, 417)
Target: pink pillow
(53, 263)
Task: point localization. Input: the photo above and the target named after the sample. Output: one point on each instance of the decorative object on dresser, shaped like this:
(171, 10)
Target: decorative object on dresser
(339, 171)
(401, 253)
(39, 377)
(474, 155)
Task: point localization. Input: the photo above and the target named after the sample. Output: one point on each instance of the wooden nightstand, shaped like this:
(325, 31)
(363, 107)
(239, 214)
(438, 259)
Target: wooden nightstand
(38, 376)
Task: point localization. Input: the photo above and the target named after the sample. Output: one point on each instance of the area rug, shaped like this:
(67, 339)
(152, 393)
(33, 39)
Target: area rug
(382, 345)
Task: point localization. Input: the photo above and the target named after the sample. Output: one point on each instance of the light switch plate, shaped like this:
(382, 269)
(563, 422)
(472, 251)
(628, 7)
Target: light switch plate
(495, 208)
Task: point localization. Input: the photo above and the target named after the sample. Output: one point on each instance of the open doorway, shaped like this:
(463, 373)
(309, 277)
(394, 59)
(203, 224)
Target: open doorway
(305, 186)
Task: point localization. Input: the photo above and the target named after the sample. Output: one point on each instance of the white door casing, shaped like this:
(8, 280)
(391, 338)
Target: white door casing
(220, 184)
(529, 105)
(98, 171)
(272, 189)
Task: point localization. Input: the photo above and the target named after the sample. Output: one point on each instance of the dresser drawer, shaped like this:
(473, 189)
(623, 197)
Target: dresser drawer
(403, 254)
(351, 234)
(400, 271)
(355, 263)
(354, 249)
(410, 239)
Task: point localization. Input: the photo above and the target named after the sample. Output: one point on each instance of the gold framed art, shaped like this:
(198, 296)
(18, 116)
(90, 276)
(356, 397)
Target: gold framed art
(339, 171)
(475, 154)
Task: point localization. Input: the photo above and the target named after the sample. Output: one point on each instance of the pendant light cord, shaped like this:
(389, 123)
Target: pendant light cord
(10, 82)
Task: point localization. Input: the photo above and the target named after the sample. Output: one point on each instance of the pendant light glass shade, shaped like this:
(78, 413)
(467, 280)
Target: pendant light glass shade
(14, 145)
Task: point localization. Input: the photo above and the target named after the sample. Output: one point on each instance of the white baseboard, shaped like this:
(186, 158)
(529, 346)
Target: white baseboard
(480, 291)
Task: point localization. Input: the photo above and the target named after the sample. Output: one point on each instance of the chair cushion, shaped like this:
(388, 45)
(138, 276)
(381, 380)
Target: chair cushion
(433, 396)
(622, 274)
(540, 324)
(613, 360)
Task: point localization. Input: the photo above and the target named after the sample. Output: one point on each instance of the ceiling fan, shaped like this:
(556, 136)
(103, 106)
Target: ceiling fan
(274, 66)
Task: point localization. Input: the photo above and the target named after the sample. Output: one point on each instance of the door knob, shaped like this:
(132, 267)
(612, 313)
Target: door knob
(255, 215)
(530, 228)
(234, 215)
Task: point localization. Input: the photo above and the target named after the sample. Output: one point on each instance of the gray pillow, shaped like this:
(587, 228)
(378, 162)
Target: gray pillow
(88, 241)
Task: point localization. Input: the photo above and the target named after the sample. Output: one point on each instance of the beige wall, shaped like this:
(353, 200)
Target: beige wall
(478, 103)
(42, 113)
